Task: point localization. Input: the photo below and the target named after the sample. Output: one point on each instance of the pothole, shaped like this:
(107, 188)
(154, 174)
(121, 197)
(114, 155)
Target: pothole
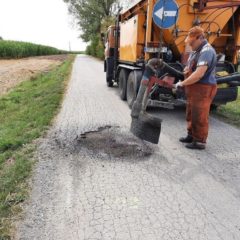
(112, 141)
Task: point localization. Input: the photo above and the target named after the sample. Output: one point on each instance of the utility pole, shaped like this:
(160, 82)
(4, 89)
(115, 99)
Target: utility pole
(69, 46)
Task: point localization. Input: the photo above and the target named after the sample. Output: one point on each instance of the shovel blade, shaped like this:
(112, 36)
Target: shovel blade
(147, 128)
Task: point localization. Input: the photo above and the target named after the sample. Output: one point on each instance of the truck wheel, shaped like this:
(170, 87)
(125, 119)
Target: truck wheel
(131, 89)
(133, 84)
(122, 83)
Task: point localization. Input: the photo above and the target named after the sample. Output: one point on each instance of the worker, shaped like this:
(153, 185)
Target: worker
(200, 88)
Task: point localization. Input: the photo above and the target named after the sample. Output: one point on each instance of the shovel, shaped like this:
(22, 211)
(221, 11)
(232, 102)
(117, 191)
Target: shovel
(144, 125)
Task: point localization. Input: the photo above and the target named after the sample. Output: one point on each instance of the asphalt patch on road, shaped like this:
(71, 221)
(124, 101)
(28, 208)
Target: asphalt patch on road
(112, 141)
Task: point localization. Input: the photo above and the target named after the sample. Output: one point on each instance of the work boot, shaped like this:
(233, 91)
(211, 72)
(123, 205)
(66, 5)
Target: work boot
(187, 139)
(196, 145)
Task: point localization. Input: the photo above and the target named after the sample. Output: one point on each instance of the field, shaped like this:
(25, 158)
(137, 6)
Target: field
(15, 49)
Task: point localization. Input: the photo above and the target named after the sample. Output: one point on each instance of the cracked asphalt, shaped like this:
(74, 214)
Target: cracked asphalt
(95, 181)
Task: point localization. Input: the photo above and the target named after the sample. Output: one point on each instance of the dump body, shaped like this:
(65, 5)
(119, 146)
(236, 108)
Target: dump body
(133, 40)
(140, 37)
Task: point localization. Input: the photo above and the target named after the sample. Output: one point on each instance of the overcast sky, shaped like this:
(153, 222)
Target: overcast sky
(44, 22)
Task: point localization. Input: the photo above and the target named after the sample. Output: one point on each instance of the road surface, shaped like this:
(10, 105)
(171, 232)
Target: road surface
(95, 180)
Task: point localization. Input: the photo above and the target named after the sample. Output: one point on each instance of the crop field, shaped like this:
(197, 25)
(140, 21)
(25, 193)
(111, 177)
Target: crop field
(15, 49)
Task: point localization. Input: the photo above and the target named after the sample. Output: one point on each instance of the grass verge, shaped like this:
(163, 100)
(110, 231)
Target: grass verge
(25, 114)
(230, 112)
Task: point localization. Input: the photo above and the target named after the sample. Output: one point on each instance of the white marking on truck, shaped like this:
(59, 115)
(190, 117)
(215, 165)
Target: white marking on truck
(161, 13)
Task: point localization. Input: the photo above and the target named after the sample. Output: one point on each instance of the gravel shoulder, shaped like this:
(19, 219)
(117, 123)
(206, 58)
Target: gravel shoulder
(95, 180)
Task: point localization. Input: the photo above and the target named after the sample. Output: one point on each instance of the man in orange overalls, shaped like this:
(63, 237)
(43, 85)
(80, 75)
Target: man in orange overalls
(200, 88)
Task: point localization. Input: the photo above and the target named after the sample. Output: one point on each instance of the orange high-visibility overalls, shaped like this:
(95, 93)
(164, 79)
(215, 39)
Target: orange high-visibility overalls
(200, 95)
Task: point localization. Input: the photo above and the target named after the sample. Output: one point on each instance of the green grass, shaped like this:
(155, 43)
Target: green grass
(231, 111)
(25, 114)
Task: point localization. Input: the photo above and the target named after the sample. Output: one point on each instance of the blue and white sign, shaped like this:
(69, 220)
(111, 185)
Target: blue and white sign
(165, 13)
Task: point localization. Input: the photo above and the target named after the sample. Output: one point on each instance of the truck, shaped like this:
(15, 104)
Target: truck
(136, 37)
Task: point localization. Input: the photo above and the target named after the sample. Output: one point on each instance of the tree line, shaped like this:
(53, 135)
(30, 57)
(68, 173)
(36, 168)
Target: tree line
(93, 17)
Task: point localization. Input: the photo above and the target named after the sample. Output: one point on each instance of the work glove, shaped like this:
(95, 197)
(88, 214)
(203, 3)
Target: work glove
(178, 85)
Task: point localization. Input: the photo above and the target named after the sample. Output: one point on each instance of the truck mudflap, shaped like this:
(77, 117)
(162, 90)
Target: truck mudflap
(225, 95)
(108, 67)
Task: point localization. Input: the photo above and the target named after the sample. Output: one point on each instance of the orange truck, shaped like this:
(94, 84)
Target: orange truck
(137, 37)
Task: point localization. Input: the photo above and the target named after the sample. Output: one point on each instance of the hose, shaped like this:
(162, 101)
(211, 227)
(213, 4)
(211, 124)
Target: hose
(230, 78)
(155, 64)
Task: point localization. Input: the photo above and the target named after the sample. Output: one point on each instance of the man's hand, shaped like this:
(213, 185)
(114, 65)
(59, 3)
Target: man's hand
(178, 84)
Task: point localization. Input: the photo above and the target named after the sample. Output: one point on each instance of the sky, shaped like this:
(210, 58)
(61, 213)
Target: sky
(45, 22)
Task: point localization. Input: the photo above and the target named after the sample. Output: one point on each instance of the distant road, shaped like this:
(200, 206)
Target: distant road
(95, 180)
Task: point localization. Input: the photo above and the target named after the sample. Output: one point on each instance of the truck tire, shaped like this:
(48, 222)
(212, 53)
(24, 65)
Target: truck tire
(122, 83)
(133, 84)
